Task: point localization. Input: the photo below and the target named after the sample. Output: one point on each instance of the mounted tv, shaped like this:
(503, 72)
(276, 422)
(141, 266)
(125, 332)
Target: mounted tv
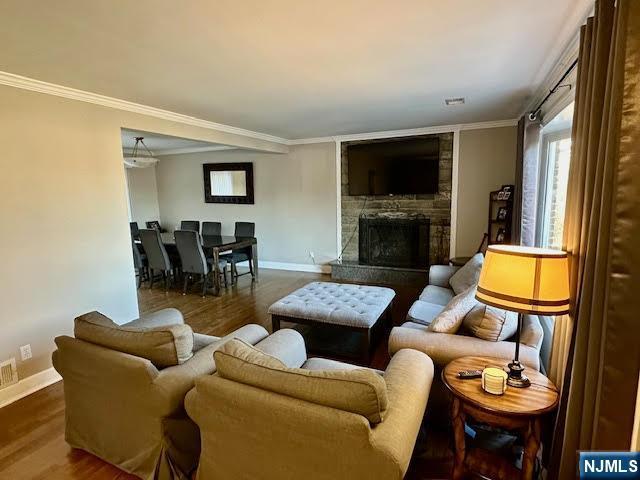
(394, 167)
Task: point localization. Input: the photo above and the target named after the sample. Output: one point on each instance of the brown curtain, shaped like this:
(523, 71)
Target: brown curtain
(602, 236)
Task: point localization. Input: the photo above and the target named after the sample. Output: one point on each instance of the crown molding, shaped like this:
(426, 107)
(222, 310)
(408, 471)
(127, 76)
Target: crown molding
(182, 151)
(407, 132)
(559, 59)
(26, 83)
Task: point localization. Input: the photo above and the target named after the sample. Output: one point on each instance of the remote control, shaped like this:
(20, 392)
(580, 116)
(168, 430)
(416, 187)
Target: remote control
(469, 374)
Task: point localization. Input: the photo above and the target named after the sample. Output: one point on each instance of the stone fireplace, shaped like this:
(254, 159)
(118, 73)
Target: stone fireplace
(394, 240)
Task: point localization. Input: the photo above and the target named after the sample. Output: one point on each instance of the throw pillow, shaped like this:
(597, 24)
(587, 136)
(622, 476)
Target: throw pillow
(491, 323)
(468, 275)
(361, 391)
(450, 319)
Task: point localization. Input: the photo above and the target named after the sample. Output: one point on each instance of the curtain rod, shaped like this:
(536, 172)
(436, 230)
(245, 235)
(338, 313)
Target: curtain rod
(534, 113)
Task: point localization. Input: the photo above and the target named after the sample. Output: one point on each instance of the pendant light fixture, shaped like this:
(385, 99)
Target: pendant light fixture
(141, 156)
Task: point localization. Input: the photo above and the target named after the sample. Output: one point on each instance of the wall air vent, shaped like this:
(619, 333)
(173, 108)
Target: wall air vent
(8, 373)
(454, 101)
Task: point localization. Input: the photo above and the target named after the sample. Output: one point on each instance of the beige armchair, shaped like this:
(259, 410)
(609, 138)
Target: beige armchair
(124, 408)
(251, 432)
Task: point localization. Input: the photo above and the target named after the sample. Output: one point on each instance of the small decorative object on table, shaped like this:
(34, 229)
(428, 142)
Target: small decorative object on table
(502, 213)
(494, 380)
(516, 409)
(524, 280)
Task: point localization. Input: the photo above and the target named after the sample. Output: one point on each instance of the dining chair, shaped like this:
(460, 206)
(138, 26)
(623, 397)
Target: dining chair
(242, 229)
(139, 263)
(194, 261)
(190, 225)
(135, 231)
(211, 228)
(157, 257)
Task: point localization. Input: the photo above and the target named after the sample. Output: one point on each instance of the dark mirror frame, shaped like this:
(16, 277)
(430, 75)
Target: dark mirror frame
(218, 167)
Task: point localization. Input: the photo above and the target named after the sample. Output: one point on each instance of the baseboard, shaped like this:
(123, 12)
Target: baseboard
(295, 267)
(28, 385)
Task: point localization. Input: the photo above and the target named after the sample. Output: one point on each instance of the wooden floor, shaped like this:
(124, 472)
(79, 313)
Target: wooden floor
(32, 442)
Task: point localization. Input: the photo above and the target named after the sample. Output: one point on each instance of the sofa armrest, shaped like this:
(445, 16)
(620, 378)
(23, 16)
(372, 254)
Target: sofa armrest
(439, 275)
(408, 376)
(445, 347)
(287, 345)
(161, 318)
(173, 383)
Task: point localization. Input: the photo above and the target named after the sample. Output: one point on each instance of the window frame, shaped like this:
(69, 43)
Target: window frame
(542, 225)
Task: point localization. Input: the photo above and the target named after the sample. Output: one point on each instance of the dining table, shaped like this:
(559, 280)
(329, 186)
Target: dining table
(218, 244)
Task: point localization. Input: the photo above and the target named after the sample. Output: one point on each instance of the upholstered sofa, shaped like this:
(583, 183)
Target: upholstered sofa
(444, 347)
(124, 389)
(296, 417)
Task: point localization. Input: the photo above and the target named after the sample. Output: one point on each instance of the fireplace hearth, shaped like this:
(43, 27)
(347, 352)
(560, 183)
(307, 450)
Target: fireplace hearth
(394, 240)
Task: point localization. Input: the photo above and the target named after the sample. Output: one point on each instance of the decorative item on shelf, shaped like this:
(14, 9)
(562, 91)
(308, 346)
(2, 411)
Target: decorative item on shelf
(524, 280)
(500, 214)
(494, 380)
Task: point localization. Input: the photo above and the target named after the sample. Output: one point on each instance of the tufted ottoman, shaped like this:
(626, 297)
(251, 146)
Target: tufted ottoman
(350, 308)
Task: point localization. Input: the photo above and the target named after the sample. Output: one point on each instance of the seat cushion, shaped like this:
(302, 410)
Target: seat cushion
(490, 323)
(451, 317)
(360, 391)
(335, 303)
(437, 295)
(164, 346)
(423, 312)
(468, 275)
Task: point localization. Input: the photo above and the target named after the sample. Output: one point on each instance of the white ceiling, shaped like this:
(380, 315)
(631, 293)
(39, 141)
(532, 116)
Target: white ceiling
(166, 145)
(296, 68)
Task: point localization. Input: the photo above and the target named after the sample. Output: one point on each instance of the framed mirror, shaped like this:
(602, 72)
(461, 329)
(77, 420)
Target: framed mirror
(228, 182)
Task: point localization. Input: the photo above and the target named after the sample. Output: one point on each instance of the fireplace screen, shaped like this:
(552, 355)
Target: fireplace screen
(394, 242)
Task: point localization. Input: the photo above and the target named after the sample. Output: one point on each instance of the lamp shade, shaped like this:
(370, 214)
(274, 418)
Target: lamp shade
(525, 280)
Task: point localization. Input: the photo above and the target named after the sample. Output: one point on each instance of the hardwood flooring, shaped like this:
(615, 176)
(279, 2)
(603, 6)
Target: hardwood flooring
(32, 442)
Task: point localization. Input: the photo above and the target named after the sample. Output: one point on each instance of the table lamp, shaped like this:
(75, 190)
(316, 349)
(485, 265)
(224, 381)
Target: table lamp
(524, 280)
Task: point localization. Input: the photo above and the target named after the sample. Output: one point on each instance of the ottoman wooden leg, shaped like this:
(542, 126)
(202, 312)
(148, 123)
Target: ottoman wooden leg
(275, 323)
(365, 352)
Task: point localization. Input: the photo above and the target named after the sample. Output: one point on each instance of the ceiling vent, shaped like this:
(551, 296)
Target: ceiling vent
(8, 373)
(454, 101)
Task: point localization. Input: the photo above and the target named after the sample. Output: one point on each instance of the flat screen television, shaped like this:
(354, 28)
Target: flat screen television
(394, 167)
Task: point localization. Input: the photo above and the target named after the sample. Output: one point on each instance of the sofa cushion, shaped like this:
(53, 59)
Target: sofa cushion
(490, 323)
(451, 317)
(468, 275)
(423, 312)
(437, 295)
(359, 391)
(163, 346)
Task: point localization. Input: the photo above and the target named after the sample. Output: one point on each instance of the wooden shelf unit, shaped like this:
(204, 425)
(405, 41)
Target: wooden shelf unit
(496, 225)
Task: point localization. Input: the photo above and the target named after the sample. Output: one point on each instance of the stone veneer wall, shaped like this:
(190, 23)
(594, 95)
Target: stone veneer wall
(437, 206)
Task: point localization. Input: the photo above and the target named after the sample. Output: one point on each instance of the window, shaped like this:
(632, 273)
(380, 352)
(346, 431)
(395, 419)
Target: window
(554, 175)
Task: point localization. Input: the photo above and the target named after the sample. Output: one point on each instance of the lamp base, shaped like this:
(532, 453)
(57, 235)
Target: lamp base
(516, 376)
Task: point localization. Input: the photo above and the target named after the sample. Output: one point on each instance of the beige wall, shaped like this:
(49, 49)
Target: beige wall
(143, 194)
(295, 199)
(487, 160)
(65, 238)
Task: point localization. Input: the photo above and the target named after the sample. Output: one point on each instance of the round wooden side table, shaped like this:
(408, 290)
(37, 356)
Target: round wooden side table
(518, 409)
